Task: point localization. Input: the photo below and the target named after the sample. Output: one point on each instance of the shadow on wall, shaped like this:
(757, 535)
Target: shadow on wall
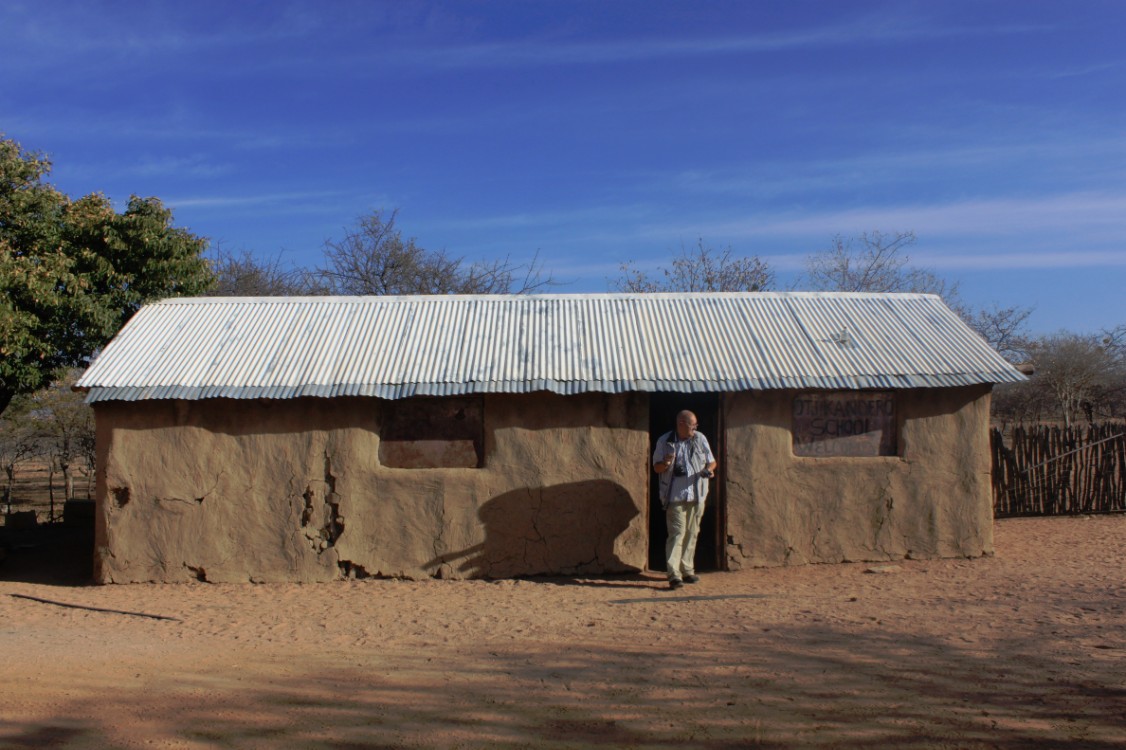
(564, 529)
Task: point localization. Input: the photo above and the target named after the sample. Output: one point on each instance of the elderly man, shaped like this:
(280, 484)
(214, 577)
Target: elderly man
(685, 462)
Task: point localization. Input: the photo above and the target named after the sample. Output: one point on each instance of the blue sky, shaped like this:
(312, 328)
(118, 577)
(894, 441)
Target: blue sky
(594, 133)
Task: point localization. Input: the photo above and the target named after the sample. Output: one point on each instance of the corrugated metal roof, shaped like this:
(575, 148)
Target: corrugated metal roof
(396, 347)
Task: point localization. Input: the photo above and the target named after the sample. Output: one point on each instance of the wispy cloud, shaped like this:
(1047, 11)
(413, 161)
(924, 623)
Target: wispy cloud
(989, 217)
(156, 28)
(1087, 156)
(569, 219)
(177, 124)
(256, 200)
(863, 30)
(1078, 212)
(190, 166)
(1023, 260)
(1086, 70)
(1075, 230)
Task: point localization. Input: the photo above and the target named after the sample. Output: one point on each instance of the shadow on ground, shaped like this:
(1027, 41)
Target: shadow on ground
(54, 554)
(883, 689)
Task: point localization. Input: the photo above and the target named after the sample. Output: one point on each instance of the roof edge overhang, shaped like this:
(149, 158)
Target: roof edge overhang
(390, 391)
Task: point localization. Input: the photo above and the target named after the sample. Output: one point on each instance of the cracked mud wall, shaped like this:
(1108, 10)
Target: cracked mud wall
(932, 500)
(293, 490)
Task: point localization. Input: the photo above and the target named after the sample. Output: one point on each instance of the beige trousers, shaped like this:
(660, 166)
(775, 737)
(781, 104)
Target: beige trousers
(682, 520)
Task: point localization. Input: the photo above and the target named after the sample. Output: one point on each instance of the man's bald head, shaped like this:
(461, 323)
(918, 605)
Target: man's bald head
(685, 424)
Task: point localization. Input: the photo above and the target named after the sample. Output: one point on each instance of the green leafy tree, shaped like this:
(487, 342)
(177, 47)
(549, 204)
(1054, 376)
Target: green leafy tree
(73, 271)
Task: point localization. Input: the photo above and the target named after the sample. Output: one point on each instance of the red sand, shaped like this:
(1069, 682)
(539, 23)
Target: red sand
(1024, 649)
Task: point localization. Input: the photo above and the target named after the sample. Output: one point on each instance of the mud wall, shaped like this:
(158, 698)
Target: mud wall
(931, 500)
(294, 490)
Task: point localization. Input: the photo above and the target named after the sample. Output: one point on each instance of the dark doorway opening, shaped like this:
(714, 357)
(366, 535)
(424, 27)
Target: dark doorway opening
(663, 408)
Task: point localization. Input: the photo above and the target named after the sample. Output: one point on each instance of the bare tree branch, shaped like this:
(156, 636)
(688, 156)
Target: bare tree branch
(872, 262)
(373, 258)
(244, 275)
(1004, 329)
(1076, 376)
(702, 269)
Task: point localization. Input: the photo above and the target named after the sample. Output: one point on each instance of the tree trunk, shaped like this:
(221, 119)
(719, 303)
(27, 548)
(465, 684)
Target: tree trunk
(10, 471)
(51, 489)
(68, 484)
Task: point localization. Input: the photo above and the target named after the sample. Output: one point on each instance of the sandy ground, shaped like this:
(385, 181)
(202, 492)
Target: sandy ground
(1026, 649)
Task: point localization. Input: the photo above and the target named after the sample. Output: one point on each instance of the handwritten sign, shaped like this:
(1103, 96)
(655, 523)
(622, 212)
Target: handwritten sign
(845, 423)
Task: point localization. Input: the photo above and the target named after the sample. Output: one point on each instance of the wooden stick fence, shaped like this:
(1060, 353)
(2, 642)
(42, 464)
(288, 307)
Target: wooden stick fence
(1048, 470)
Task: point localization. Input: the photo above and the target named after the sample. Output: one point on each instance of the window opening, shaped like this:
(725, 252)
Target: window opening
(431, 433)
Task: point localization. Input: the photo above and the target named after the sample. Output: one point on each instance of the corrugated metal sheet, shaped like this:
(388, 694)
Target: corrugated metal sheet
(396, 347)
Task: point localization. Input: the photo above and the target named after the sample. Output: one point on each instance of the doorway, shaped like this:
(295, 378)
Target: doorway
(663, 408)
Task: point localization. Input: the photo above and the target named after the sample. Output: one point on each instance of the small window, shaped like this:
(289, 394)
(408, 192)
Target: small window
(845, 423)
(431, 433)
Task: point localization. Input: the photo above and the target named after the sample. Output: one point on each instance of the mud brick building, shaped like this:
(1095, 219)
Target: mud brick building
(311, 439)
